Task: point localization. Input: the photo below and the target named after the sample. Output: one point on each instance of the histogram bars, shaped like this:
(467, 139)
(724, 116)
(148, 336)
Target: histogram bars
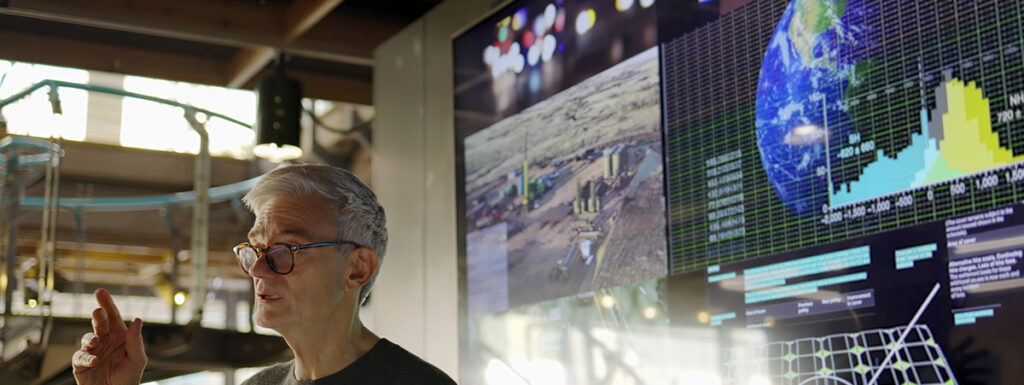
(957, 141)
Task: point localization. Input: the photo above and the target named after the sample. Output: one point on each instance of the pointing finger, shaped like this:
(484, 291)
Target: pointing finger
(107, 303)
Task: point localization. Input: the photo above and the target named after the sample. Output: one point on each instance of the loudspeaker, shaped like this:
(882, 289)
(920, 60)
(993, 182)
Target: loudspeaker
(280, 108)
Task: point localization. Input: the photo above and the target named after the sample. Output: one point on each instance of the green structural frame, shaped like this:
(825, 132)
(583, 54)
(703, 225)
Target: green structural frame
(133, 203)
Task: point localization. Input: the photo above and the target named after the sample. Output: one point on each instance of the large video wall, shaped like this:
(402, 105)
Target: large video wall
(741, 192)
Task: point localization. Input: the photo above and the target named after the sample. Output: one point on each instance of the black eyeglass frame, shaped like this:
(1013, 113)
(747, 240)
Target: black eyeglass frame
(293, 249)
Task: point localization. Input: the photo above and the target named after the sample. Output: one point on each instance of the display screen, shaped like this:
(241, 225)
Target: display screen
(842, 196)
(565, 195)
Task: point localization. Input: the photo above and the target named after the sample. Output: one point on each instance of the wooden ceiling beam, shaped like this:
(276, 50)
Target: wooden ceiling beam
(341, 33)
(229, 268)
(71, 262)
(259, 31)
(111, 58)
(302, 15)
(246, 64)
(348, 89)
(90, 55)
(151, 168)
(299, 17)
(145, 234)
(69, 257)
(220, 22)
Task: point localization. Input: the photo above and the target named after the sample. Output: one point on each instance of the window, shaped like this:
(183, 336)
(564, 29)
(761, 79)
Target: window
(33, 115)
(155, 126)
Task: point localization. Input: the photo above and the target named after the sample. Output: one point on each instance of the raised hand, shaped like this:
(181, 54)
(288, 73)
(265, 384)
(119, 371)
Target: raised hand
(112, 354)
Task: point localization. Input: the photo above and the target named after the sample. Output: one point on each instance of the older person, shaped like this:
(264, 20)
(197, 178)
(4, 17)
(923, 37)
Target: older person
(313, 254)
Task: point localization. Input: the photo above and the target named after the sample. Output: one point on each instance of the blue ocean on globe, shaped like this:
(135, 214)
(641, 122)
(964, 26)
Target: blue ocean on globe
(806, 69)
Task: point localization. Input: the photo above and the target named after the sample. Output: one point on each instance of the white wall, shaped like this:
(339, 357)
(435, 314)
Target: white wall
(415, 300)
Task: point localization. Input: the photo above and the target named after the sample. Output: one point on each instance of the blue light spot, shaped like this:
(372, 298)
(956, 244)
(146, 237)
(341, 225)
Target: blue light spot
(534, 81)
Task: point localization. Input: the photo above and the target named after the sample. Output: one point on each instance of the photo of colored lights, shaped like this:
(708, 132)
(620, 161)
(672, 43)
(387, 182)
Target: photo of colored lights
(531, 50)
(520, 42)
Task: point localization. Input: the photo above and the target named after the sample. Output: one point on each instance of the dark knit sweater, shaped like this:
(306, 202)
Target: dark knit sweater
(384, 364)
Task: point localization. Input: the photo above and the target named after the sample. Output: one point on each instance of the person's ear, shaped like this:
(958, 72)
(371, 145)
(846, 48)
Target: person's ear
(360, 266)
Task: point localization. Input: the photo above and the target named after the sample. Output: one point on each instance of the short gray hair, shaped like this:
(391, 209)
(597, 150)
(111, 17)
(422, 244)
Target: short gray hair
(360, 218)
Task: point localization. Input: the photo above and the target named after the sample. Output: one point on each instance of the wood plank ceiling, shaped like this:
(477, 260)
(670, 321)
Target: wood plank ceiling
(230, 43)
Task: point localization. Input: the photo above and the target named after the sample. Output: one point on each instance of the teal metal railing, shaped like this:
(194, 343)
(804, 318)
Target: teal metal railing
(134, 203)
(55, 84)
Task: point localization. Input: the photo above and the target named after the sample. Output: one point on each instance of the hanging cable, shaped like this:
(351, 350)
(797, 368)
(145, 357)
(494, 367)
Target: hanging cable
(318, 123)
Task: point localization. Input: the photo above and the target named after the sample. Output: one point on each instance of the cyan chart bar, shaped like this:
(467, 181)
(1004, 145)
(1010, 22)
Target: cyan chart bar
(720, 277)
(800, 288)
(777, 274)
(905, 258)
(716, 320)
(970, 317)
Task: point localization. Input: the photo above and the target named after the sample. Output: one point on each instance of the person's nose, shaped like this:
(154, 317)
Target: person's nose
(261, 268)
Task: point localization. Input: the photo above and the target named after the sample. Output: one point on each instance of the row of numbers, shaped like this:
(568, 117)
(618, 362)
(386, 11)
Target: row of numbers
(904, 201)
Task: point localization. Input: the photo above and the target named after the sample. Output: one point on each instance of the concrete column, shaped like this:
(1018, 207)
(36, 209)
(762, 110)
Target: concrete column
(104, 110)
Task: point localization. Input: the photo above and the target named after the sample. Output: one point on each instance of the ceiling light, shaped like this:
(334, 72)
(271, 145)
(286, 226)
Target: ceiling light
(179, 298)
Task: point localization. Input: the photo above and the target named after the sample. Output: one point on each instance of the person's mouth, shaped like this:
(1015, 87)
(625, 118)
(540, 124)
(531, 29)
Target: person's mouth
(268, 297)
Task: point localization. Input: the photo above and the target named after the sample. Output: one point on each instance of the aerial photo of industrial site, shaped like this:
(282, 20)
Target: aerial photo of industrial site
(567, 196)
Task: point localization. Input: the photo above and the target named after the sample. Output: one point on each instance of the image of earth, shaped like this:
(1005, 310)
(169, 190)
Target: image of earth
(811, 62)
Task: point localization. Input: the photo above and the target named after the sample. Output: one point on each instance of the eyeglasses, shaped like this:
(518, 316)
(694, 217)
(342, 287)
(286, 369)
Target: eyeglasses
(280, 257)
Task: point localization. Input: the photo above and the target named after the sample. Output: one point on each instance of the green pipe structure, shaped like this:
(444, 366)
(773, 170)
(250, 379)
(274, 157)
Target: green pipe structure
(148, 202)
(54, 84)
(17, 152)
(133, 203)
(14, 143)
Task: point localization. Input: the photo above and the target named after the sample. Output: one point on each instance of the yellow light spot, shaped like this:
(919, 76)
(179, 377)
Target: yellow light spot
(703, 317)
(585, 21)
(607, 301)
(650, 312)
(32, 303)
(179, 298)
